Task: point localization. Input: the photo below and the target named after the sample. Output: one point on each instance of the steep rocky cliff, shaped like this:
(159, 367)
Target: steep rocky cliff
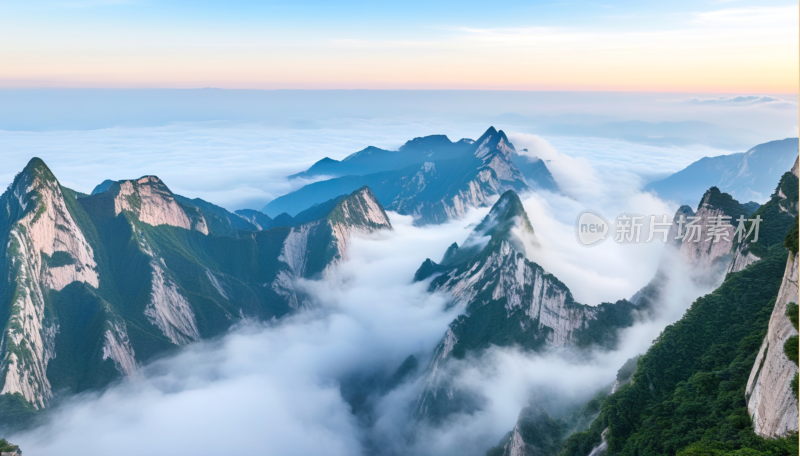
(151, 202)
(770, 401)
(777, 215)
(508, 300)
(42, 249)
(311, 248)
(96, 285)
(709, 256)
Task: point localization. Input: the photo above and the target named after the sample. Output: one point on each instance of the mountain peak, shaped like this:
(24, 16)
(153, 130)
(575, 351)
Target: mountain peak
(360, 209)
(714, 199)
(506, 213)
(498, 227)
(103, 186)
(30, 184)
(36, 167)
(151, 202)
(493, 144)
(491, 131)
(426, 142)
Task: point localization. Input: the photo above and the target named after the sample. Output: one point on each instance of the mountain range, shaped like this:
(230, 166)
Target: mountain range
(431, 178)
(747, 176)
(508, 300)
(96, 285)
(723, 379)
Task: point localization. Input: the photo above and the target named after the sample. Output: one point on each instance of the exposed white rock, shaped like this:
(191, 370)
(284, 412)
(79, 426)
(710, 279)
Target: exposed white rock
(45, 228)
(293, 254)
(515, 445)
(283, 285)
(432, 382)
(602, 447)
(770, 401)
(508, 275)
(479, 192)
(117, 347)
(153, 203)
(701, 251)
(169, 310)
(358, 214)
(295, 248)
(216, 284)
(741, 260)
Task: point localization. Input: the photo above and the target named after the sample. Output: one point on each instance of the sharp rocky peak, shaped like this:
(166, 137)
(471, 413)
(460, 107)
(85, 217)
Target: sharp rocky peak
(506, 213)
(505, 221)
(36, 171)
(492, 143)
(360, 209)
(152, 202)
(714, 199)
(43, 249)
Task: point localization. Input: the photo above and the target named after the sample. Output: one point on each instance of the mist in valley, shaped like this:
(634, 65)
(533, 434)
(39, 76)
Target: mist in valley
(326, 379)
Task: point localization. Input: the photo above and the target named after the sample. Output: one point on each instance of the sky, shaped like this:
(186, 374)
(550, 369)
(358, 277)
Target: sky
(613, 94)
(719, 46)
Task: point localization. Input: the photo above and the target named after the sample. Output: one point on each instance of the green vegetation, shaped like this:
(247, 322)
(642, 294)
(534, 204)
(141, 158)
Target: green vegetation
(791, 345)
(688, 391)
(791, 240)
(59, 258)
(776, 218)
(790, 348)
(15, 411)
(7, 447)
(544, 435)
(717, 199)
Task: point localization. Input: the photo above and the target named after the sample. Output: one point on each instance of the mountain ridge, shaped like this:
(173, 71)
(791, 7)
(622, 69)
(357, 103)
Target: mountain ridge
(99, 284)
(437, 189)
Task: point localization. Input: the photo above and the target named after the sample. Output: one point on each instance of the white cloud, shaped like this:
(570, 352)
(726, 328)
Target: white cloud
(272, 387)
(756, 16)
(742, 100)
(276, 386)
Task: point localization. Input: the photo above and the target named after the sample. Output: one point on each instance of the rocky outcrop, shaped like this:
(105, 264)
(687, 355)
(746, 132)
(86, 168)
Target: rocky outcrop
(151, 201)
(43, 249)
(358, 214)
(709, 254)
(164, 282)
(167, 308)
(117, 347)
(310, 249)
(434, 189)
(776, 215)
(770, 401)
(499, 287)
(259, 219)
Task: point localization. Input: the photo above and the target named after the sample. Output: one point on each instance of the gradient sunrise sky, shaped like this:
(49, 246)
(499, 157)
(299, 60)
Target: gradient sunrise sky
(673, 46)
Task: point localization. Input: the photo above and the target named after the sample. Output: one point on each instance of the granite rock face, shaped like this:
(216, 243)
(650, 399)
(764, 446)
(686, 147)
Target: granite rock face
(43, 249)
(508, 300)
(93, 286)
(770, 401)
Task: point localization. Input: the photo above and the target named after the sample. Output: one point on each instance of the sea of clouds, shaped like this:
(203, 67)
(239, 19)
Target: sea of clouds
(277, 387)
(306, 384)
(238, 166)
